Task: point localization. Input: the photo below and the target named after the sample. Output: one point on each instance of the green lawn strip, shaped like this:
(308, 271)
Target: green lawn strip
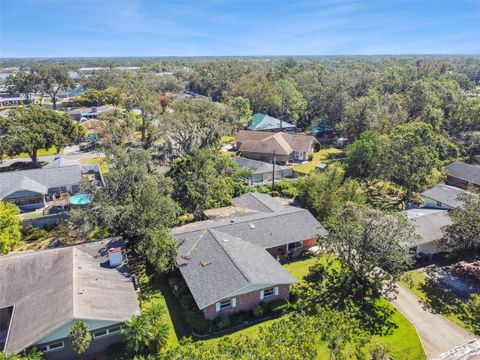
(101, 161)
(435, 297)
(327, 156)
(227, 140)
(41, 152)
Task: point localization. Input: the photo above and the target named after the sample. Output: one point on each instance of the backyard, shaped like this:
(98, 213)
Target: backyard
(101, 161)
(327, 155)
(403, 340)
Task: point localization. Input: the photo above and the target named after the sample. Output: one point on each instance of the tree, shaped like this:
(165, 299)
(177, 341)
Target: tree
(147, 332)
(324, 193)
(29, 354)
(80, 337)
(29, 129)
(160, 249)
(24, 82)
(136, 198)
(52, 79)
(371, 246)
(241, 112)
(411, 157)
(93, 97)
(463, 235)
(10, 234)
(292, 105)
(204, 180)
(363, 157)
(195, 124)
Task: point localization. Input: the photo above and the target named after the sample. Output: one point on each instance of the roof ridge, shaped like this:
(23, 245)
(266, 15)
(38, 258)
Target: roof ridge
(241, 219)
(213, 231)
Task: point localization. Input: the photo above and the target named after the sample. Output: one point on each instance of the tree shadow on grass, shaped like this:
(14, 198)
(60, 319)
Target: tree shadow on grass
(376, 317)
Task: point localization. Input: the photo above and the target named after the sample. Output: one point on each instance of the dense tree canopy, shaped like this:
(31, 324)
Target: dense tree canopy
(9, 227)
(29, 129)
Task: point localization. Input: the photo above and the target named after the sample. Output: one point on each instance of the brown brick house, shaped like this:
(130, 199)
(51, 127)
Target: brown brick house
(264, 145)
(463, 175)
(230, 263)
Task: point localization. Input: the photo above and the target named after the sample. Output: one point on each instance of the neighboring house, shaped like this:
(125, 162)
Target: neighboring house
(262, 171)
(264, 145)
(229, 262)
(428, 225)
(33, 189)
(463, 175)
(263, 122)
(443, 197)
(90, 112)
(44, 292)
(7, 99)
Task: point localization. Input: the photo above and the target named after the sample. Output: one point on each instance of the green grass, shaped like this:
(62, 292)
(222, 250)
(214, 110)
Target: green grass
(101, 161)
(41, 152)
(328, 156)
(435, 297)
(227, 140)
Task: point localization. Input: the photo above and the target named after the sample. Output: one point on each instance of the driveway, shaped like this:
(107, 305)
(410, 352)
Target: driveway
(437, 334)
(72, 154)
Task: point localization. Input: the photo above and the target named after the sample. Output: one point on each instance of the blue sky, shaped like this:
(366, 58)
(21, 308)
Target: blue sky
(53, 28)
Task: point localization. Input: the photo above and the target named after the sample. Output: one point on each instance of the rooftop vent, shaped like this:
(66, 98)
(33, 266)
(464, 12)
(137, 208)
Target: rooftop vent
(225, 240)
(232, 220)
(205, 263)
(251, 226)
(115, 256)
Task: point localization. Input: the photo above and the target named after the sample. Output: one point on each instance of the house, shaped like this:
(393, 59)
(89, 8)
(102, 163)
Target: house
(90, 112)
(463, 175)
(262, 171)
(263, 122)
(264, 145)
(35, 188)
(44, 292)
(443, 196)
(8, 99)
(428, 225)
(230, 262)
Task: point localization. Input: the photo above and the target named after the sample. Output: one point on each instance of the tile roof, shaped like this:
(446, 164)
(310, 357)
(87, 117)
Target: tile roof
(39, 180)
(464, 171)
(266, 122)
(445, 194)
(48, 288)
(214, 268)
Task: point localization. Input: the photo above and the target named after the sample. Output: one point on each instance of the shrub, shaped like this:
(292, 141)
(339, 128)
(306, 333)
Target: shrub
(278, 306)
(31, 234)
(317, 146)
(179, 288)
(310, 157)
(196, 321)
(258, 311)
(241, 317)
(223, 322)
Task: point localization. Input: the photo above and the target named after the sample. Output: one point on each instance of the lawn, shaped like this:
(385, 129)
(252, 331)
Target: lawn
(435, 296)
(328, 156)
(41, 152)
(227, 140)
(101, 161)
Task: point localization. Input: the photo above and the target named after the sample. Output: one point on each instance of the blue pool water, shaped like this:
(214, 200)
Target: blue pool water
(80, 199)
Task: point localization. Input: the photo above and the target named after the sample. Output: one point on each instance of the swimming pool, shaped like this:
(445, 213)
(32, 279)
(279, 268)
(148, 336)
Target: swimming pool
(80, 199)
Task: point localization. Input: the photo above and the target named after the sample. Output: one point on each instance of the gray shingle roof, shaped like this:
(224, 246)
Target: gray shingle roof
(39, 180)
(214, 268)
(258, 167)
(428, 224)
(216, 264)
(463, 171)
(446, 194)
(48, 288)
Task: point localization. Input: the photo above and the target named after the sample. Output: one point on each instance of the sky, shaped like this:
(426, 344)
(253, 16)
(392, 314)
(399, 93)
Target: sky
(84, 28)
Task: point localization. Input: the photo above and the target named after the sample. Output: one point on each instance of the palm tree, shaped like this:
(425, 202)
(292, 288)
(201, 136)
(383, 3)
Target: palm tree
(159, 327)
(137, 334)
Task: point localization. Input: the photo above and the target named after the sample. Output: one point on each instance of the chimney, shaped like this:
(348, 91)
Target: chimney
(94, 109)
(115, 256)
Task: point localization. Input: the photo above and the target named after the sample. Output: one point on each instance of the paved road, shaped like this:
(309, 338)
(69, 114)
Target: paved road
(438, 335)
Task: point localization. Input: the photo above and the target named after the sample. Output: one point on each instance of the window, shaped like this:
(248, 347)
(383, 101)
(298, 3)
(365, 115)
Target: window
(295, 245)
(105, 332)
(439, 204)
(268, 292)
(225, 304)
(52, 347)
